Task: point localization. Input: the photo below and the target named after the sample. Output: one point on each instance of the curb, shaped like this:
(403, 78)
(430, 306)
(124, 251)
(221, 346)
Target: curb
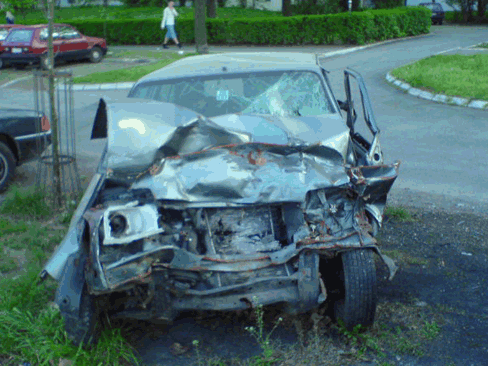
(439, 98)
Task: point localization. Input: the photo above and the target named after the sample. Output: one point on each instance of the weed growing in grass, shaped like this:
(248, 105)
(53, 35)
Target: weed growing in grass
(263, 340)
(196, 345)
(361, 339)
(431, 330)
(399, 213)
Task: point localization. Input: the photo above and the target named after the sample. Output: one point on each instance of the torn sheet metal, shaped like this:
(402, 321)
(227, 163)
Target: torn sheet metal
(235, 158)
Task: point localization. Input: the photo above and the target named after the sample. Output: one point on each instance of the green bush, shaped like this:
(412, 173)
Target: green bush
(388, 4)
(347, 28)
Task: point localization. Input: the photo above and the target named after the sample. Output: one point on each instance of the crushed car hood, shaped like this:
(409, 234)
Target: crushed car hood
(242, 159)
(231, 160)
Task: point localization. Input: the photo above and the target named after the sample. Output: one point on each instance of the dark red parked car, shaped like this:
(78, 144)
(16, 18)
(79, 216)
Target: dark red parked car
(4, 29)
(27, 45)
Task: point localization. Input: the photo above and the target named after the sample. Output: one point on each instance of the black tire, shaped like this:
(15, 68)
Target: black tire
(1, 63)
(356, 303)
(84, 329)
(7, 166)
(96, 54)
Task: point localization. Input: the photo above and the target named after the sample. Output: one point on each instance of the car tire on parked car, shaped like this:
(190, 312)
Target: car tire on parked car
(356, 295)
(96, 54)
(7, 166)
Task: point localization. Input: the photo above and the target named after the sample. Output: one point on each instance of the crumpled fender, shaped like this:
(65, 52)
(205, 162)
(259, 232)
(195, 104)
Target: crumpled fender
(72, 280)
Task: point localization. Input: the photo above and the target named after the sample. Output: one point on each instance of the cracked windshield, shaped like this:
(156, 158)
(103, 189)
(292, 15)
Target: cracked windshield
(289, 93)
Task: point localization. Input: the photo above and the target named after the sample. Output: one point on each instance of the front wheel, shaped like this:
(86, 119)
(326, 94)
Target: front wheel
(356, 303)
(7, 166)
(96, 54)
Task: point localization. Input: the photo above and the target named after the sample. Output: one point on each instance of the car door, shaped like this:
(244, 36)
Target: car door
(73, 44)
(364, 131)
(43, 38)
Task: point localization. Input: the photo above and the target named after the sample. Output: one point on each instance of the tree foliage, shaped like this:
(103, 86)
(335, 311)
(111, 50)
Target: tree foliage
(20, 6)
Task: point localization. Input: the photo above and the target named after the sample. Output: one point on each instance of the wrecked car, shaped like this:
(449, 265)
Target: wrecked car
(228, 181)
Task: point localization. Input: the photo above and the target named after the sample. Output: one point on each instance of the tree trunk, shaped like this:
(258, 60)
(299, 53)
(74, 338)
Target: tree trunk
(481, 9)
(211, 9)
(286, 8)
(200, 28)
(57, 199)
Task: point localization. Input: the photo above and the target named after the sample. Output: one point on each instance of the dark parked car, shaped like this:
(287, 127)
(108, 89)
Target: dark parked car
(437, 12)
(27, 45)
(235, 181)
(23, 135)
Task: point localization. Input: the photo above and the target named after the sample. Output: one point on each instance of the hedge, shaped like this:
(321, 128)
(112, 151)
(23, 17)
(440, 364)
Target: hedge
(354, 28)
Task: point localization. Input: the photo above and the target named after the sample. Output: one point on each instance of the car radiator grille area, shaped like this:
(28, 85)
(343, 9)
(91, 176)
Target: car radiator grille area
(246, 230)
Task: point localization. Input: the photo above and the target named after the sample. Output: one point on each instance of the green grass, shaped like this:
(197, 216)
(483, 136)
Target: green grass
(398, 213)
(454, 75)
(96, 12)
(25, 202)
(133, 73)
(31, 327)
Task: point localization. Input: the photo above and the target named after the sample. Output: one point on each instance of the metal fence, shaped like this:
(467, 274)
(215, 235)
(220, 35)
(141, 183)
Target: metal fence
(62, 178)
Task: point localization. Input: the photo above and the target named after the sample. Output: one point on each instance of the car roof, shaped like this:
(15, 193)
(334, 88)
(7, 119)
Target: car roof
(37, 26)
(8, 26)
(234, 62)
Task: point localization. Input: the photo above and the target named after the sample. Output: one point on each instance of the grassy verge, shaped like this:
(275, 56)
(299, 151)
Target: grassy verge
(31, 327)
(131, 73)
(455, 75)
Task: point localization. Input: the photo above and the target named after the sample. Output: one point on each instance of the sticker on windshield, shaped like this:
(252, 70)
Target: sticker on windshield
(222, 95)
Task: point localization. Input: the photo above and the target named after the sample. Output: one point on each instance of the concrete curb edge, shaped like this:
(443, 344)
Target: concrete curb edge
(439, 98)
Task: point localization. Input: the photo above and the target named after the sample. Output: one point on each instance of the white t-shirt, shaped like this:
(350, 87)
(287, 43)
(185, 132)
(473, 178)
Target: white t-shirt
(169, 17)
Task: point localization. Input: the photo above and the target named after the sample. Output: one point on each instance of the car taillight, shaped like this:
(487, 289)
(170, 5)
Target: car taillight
(45, 124)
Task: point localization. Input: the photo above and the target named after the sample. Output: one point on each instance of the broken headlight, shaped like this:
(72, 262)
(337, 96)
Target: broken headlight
(124, 224)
